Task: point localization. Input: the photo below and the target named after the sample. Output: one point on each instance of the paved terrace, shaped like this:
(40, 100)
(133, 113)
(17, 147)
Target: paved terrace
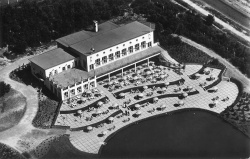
(91, 141)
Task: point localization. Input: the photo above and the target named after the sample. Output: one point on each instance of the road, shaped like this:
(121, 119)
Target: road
(225, 25)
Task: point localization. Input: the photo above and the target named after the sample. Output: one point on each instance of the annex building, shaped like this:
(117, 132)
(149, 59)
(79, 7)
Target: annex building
(81, 58)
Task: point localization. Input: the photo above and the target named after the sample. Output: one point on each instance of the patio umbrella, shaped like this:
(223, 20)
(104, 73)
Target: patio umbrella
(148, 72)
(137, 106)
(104, 132)
(216, 102)
(138, 113)
(122, 94)
(79, 111)
(88, 92)
(89, 128)
(189, 87)
(116, 82)
(150, 67)
(145, 87)
(101, 92)
(162, 76)
(166, 84)
(155, 99)
(212, 76)
(100, 103)
(141, 95)
(164, 89)
(138, 72)
(184, 94)
(197, 75)
(215, 88)
(154, 80)
(206, 70)
(135, 78)
(124, 78)
(110, 83)
(98, 112)
(84, 99)
(115, 105)
(162, 106)
(111, 118)
(181, 102)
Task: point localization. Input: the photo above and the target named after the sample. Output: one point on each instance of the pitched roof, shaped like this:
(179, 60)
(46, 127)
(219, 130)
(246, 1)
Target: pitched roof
(83, 35)
(104, 39)
(51, 58)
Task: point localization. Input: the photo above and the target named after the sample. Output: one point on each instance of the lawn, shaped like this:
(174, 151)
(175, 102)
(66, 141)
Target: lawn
(12, 109)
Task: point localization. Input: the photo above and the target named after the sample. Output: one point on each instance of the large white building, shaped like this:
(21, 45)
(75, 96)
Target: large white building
(83, 57)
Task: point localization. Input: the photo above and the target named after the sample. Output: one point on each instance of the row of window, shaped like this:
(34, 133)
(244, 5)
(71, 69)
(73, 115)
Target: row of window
(118, 54)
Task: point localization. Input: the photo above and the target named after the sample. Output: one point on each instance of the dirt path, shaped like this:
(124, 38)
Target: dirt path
(13, 135)
(225, 25)
(231, 71)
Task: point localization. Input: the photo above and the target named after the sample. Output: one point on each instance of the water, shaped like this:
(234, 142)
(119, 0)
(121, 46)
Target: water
(192, 134)
(229, 11)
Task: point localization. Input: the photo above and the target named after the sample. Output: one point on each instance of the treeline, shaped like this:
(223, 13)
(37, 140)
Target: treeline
(31, 23)
(171, 18)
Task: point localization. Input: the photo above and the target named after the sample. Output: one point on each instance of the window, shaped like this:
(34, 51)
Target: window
(91, 66)
(97, 62)
(63, 68)
(66, 94)
(56, 72)
(117, 54)
(149, 44)
(104, 59)
(137, 47)
(79, 89)
(68, 66)
(72, 91)
(92, 84)
(86, 86)
(143, 44)
(124, 52)
(130, 49)
(111, 57)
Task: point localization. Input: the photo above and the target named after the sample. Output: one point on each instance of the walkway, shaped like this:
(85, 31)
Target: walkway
(91, 142)
(231, 71)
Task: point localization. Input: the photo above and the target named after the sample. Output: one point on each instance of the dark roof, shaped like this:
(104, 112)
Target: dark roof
(51, 58)
(104, 39)
(83, 35)
(69, 77)
(126, 61)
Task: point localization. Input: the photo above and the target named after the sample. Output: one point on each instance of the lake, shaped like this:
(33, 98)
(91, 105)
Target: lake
(229, 11)
(189, 133)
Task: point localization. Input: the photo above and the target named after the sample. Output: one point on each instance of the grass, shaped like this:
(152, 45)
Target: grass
(12, 107)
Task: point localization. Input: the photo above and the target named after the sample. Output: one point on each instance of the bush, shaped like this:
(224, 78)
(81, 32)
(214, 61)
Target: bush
(48, 109)
(9, 153)
(4, 88)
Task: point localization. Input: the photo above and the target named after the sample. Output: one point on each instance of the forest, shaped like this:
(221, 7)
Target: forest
(32, 23)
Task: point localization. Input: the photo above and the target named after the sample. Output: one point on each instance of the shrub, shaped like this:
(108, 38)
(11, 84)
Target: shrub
(4, 88)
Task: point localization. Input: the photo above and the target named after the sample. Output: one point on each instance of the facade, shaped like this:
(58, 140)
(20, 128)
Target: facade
(83, 57)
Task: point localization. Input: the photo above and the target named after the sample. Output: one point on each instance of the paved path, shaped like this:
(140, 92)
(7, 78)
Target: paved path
(225, 25)
(232, 71)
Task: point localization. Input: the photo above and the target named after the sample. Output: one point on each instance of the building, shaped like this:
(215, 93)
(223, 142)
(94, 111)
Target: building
(85, 56)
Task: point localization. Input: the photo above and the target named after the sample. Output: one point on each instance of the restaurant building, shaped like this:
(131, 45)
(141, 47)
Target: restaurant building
(85, 56)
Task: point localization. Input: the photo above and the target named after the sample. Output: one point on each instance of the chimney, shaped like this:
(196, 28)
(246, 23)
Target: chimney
(95, 26)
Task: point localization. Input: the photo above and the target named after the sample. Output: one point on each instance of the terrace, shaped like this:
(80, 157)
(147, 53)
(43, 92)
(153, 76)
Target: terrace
(140, 95)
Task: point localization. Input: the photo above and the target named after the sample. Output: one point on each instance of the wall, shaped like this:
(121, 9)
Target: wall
(91, 59)
(35, 69)
(59, 67)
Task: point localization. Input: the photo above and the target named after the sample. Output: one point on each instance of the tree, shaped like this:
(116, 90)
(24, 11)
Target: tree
(4, 88)
(209, 20)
